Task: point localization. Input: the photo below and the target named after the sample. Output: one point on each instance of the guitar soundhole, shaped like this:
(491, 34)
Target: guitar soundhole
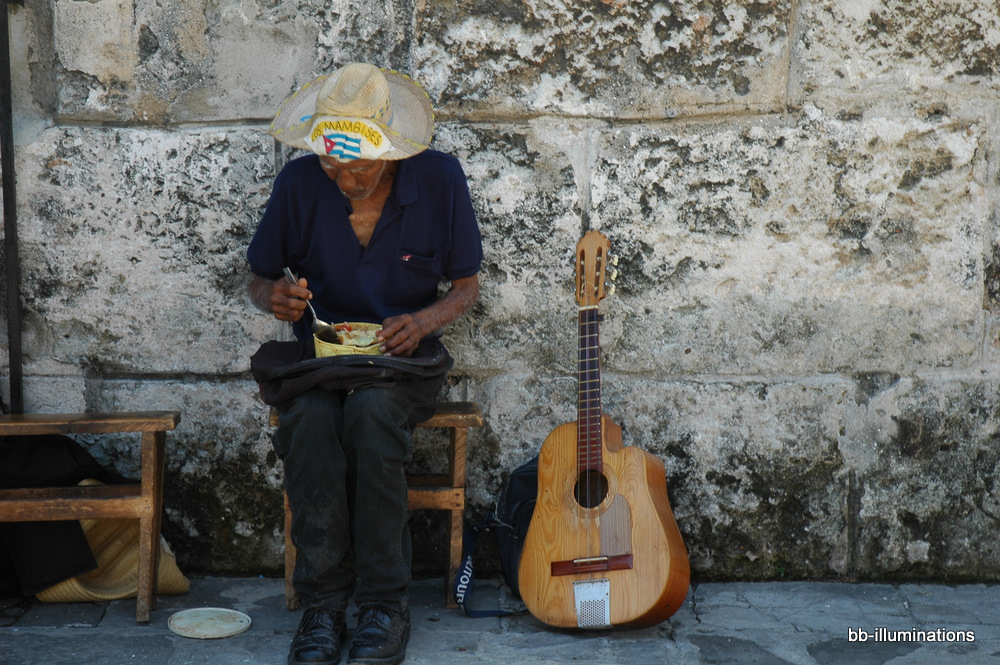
(591, 488)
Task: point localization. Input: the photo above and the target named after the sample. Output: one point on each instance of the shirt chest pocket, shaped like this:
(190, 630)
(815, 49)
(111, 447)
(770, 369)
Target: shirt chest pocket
(415, 280)
(419, 263)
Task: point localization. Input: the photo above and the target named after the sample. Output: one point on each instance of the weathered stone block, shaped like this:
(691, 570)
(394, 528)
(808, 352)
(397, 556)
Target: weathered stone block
(803, 248)
(133, 248)
(158, 63)
(927, 491)
(602, 59)
(48, 394)
(755, 475)
(889, 48)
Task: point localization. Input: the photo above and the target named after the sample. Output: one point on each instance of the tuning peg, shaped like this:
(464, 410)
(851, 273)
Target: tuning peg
(614, 259)
(611, 290)
(614, 275)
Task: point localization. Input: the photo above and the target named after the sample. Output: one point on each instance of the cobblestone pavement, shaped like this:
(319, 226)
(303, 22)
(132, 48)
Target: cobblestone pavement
(773, 623)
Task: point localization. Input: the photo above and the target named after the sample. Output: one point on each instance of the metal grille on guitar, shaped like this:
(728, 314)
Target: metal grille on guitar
(592, 607)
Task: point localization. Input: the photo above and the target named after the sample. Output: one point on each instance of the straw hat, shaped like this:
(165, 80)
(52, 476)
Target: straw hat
(357, 112)
(115, 543)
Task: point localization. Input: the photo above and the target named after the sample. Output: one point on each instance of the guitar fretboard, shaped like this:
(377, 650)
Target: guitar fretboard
(589, 405)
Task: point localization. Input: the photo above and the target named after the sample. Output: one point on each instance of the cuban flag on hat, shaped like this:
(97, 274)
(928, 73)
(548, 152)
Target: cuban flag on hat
(342, 146)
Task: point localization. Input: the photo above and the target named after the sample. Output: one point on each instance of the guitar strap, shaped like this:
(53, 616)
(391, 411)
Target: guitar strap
(465, 583)
(509, 523)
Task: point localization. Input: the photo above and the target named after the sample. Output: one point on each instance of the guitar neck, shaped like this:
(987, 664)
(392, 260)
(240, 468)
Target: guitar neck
(589, 435)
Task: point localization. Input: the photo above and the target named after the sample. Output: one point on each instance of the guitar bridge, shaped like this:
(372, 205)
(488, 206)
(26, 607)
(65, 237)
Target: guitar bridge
(593, 603)
(596, 564)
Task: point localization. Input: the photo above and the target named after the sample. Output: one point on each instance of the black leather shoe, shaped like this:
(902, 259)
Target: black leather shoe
(318, 639)
(381, 636)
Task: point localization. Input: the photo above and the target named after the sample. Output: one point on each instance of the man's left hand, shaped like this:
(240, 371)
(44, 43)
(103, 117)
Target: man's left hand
(400, 335)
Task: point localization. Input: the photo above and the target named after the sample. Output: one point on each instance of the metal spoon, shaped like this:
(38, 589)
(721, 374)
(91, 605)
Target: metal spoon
(317, 325)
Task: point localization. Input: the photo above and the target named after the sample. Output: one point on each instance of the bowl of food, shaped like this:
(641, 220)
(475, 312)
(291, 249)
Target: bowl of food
(344, 339)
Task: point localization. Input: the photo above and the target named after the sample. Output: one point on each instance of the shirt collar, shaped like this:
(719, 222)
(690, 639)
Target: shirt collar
(405, 185)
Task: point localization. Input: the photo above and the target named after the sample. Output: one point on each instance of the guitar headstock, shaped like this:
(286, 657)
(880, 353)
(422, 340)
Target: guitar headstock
(591, 268)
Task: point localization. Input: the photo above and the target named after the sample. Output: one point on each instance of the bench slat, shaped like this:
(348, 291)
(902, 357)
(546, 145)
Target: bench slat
(455, 414)
(72, 503)
(88, 423)
(438, 498)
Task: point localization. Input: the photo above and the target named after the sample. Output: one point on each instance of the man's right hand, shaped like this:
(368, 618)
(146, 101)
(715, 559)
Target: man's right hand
(288, 301)
(285, 300)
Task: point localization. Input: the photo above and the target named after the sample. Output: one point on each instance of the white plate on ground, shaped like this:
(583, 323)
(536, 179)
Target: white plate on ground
(208, 623)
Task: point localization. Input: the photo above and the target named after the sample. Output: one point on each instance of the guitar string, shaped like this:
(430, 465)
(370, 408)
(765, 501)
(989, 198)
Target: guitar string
(581, 416)
(583, 443)
(591, 417)
(589, 402)
(594, 402)
(582, 537)
(583, 451)
(590, 438)
(594, 427)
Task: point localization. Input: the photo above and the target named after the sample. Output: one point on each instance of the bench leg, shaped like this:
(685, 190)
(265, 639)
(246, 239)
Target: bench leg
(149, 523)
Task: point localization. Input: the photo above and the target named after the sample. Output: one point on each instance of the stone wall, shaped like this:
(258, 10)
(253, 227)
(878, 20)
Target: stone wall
(803, 195)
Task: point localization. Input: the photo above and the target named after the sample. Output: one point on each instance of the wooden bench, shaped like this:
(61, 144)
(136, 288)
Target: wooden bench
(142, 500)
(427, 491)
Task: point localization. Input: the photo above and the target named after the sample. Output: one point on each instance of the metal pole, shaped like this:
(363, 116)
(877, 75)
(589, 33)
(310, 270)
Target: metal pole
(10, 245)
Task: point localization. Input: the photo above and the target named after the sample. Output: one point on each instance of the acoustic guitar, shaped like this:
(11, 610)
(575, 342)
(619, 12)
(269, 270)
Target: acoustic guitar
(602, 549)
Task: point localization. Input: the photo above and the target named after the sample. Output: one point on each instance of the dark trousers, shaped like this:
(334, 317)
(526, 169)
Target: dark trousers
(345, 456)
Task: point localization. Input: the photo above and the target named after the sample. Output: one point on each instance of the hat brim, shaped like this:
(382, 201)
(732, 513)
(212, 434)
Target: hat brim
(409, 132)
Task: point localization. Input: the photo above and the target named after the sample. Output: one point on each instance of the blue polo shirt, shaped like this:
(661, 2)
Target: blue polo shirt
(427, 232)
